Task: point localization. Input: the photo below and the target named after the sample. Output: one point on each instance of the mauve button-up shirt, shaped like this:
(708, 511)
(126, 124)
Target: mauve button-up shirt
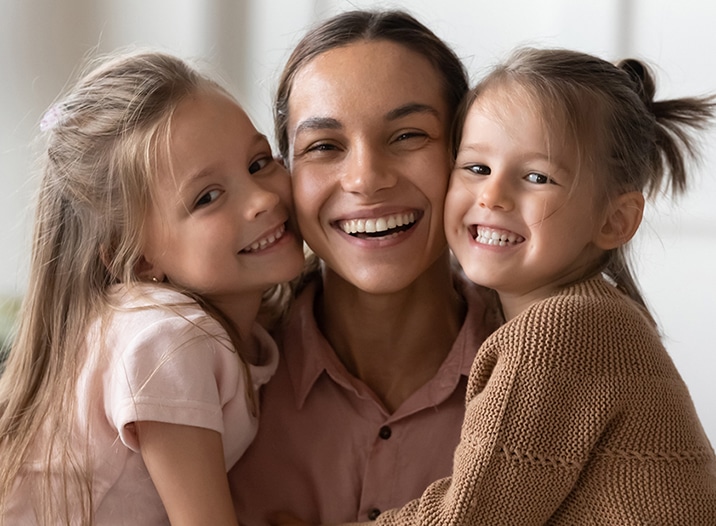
(328, 451)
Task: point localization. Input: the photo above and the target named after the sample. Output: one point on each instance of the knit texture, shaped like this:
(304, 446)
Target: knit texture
(575, 415)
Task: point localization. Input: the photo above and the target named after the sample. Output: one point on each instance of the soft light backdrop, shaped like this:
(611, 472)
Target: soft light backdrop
(42, 43)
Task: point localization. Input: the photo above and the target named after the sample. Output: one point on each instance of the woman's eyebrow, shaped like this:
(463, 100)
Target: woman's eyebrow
(410, 108)
(318, 123)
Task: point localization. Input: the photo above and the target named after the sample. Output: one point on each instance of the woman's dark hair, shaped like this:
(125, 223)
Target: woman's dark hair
(353, 26)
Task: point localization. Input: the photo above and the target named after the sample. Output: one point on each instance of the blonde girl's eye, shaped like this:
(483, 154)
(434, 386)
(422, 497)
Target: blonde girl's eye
(207, 198)
(259, 164)
(538, 178)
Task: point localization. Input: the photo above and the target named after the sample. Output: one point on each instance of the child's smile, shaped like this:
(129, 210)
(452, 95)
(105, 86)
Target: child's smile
(515, 218)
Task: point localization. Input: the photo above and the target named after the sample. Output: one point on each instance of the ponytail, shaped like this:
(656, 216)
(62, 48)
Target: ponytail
(609, 113)
(674, 122)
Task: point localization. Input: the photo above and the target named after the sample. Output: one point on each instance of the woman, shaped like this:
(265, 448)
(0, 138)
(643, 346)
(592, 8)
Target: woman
(366, 406)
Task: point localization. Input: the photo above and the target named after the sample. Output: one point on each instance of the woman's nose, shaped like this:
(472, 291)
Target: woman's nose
(367, 171)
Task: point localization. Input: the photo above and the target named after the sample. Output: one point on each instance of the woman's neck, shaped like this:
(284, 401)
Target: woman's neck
(394, 342)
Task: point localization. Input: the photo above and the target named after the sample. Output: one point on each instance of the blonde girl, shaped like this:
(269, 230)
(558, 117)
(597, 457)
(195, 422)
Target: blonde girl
(162, 220)
(575, 411)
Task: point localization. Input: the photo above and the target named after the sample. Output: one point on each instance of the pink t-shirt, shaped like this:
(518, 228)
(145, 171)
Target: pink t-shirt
(170, 364)
(328, 451)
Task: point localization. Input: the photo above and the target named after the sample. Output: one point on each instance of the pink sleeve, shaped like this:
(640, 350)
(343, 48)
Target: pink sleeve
(174, 371)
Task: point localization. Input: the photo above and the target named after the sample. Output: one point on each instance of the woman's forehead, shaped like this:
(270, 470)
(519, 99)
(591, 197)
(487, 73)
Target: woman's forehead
(380, 73)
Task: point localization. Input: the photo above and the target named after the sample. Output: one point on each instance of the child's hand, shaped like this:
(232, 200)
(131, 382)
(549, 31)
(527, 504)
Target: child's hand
(287, 519)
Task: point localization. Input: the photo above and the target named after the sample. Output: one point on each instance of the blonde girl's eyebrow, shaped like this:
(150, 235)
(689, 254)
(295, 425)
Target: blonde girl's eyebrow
(255, 140)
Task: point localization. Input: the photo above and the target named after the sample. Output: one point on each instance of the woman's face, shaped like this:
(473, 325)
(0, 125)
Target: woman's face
(368, 133)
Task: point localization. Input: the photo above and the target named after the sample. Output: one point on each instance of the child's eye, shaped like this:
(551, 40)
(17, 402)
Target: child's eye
(208, 197)
(479, 169)
(538, 178)
(258, 164)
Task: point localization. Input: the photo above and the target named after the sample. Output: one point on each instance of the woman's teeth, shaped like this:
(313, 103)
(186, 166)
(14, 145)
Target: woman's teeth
(377, 226)
(502, 238)
(266, 242)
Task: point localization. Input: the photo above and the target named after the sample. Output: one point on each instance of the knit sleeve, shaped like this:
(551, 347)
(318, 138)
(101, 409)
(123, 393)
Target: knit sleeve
(535, 410)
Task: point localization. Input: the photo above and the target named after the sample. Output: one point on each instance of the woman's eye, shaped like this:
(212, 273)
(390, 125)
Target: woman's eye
(259, 164)
(409, 135)
(321, 147)
(208, 197)
(478, 169)
(538, 178)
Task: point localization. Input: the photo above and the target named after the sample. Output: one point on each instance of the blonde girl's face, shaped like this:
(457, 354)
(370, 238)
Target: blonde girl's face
(370, 163)
(515, 218)
(221, 225)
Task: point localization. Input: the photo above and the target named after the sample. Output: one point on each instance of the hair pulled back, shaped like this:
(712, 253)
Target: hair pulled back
(610, 116)
(346, 28)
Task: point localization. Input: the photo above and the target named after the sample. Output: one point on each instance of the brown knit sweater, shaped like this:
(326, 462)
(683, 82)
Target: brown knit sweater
(575, 415)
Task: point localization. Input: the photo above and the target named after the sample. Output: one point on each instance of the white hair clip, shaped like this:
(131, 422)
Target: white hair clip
(50, 118)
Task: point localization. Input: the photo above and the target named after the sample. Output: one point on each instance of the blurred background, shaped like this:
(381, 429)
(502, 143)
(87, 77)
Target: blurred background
(43, 43)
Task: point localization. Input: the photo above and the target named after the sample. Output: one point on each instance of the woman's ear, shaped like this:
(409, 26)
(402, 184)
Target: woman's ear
(147, 271)
(621, 220)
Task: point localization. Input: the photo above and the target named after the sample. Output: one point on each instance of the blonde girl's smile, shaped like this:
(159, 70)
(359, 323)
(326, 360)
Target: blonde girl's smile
(266, 242)
(222, 222)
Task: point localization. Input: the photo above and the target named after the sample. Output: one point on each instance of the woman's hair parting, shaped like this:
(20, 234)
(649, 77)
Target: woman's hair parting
(608, 114)
(93, 194)
(355, 26)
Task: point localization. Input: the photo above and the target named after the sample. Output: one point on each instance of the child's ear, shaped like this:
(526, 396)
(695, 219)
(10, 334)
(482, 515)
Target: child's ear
(621, 220)
(147, 271)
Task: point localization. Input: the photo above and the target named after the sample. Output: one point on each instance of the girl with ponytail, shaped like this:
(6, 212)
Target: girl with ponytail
(575, 411)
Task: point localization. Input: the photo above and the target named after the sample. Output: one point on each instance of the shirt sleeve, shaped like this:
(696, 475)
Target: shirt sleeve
(176, 370)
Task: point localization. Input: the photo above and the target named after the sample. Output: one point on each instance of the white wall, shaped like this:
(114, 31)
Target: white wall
(42, 42)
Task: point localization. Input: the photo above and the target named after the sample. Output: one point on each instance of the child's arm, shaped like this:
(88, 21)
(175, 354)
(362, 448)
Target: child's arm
(186, 464)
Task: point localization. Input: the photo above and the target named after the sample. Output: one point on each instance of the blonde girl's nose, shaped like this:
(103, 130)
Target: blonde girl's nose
(260, 200)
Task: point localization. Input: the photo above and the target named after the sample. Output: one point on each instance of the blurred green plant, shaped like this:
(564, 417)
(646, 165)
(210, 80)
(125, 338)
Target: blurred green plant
(9, 308)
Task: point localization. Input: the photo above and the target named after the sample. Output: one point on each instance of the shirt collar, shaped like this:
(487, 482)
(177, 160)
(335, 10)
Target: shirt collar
(308, 354)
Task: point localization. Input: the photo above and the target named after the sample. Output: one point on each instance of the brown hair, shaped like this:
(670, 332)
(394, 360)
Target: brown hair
(349, 27)
(609, 115)
(354, 26)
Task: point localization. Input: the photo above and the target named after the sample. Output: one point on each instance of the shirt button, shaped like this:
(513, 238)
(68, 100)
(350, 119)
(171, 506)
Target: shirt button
(373, 514)
(385, 433)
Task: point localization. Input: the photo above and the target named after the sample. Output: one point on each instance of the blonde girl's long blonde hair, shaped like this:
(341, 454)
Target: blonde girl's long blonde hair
(94, 192)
